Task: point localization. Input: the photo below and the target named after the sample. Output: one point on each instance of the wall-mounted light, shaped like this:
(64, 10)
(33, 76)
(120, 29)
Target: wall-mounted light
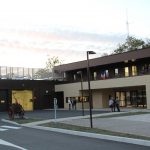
(126, 61)
(132, 59)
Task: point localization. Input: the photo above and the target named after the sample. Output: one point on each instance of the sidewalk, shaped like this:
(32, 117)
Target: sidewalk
(137, 124)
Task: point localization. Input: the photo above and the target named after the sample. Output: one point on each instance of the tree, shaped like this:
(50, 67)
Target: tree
(104, 54)
(42, 73)
(48, 71)
(51, 62)
(132, 43)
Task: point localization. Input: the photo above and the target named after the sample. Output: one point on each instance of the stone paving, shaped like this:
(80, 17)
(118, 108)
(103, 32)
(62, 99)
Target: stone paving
(136, 124)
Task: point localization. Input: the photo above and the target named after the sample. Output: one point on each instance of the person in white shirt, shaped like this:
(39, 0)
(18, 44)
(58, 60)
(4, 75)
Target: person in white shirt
(70, 104)
(111, 103)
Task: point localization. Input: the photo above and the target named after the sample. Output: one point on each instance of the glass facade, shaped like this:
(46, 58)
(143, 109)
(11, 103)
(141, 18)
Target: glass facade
(18, 73)
(132, 98)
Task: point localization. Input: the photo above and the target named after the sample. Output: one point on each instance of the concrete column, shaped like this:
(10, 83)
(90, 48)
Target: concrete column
(148, 95)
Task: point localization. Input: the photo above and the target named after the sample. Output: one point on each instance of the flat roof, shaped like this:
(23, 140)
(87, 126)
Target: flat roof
(110, 59)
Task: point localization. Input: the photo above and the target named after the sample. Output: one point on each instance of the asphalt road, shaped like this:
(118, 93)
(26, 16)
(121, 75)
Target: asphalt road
(49, 114)
(33, 139)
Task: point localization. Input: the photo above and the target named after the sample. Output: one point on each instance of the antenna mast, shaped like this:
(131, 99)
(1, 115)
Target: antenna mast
(127, 23)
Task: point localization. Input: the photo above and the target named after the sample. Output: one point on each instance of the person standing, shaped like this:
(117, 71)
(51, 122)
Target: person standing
(75, 104)
(70, 103)
(111, 103)
(114, 104)
(117, 104)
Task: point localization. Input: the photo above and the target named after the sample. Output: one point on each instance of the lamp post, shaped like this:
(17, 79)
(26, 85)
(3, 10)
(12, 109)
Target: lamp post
(81, 77)
(89, 88)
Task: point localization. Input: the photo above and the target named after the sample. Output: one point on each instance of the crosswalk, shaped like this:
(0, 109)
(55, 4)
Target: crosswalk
(6, 127)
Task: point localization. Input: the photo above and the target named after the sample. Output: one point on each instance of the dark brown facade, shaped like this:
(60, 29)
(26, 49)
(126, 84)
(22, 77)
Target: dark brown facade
(42, 93)
(107, 60)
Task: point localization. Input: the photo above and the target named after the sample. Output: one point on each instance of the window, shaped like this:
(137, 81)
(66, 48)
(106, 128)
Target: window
(74, 77)
(116, 72)
(126, 71)
(95, 75)
(64, 74)
(107, 73)
(134, 70)
(103, 75)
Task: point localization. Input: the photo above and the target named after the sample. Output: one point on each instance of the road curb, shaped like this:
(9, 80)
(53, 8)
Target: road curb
(9, 121)
(94, 135)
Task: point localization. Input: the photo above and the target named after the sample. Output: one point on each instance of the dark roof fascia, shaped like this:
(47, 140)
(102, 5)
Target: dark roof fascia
(105, 60)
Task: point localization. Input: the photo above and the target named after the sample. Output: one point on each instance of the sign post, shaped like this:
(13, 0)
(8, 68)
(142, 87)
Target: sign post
(55, 107)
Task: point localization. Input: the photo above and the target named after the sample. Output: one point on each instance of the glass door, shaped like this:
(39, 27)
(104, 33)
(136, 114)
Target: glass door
(122, 98)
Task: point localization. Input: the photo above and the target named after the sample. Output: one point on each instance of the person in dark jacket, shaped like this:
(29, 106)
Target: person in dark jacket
(117, 104)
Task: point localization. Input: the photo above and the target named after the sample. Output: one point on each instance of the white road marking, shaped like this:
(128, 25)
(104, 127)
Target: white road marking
(1, 129)
(2, 142)
(10, 127)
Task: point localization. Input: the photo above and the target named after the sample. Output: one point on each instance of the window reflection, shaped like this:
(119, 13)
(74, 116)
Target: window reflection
(126, 71)
(134, 70)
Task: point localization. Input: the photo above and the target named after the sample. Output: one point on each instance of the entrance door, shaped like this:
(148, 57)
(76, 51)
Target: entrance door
(3, 100)
(23, 97)
(60, 99)
(122, 98)
(134, 98)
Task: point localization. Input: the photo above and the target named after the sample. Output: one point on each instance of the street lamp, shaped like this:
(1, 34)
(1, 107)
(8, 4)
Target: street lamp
(89, 88)
(81, 77)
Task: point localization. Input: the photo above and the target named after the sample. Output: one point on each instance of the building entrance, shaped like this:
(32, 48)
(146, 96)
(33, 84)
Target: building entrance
(133, 98)
(3, 100)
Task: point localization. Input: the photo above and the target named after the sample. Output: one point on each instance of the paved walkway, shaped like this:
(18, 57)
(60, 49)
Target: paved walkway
(136, 124)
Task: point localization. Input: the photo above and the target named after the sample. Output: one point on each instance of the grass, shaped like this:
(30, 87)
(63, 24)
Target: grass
(92, 130)
(88, 129)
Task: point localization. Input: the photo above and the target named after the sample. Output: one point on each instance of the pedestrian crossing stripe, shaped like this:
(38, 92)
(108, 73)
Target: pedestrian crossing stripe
(10, 127)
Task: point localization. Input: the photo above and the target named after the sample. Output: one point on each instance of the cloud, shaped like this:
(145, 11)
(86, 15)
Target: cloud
(61, 43)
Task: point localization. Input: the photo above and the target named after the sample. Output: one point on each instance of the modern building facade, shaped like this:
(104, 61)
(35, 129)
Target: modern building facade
(125, 75)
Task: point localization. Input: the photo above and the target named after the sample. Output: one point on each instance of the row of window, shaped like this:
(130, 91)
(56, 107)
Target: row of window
(78, 99)
(127, 71)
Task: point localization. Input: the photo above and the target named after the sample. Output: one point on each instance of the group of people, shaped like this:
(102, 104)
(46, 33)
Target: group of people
(72, 104)
(114, 103)
(15, 109)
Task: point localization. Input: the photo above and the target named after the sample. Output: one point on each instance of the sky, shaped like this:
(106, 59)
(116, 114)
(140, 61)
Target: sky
(31, 31)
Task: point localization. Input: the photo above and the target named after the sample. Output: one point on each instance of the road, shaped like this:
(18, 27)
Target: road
(33, 139)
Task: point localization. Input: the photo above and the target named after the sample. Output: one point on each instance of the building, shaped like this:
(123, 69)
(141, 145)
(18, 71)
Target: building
(26, 86)
(31, 94)
(125, 75)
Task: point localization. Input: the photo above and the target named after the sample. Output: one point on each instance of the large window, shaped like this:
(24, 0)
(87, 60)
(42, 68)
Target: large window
(116, 72)
(134, 70)
(74, 77)
(126, 71)
(78, 99)
(107, 73)
(95, 75)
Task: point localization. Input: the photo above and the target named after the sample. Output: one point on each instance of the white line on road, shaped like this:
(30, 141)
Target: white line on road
(2, 142)
(1, 129)
(11, 127)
